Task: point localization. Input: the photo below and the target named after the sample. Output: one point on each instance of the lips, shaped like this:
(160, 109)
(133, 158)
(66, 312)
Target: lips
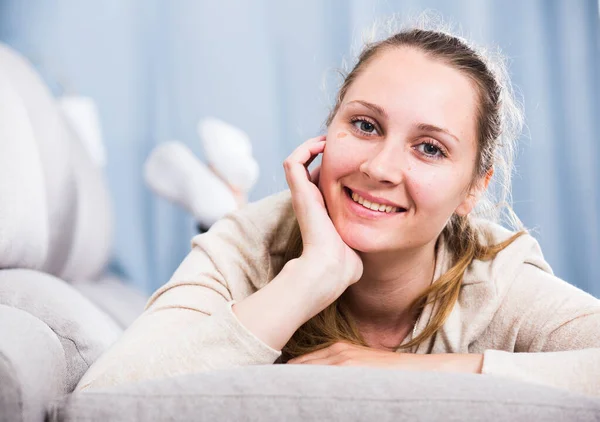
(370, 211)
(370, 201)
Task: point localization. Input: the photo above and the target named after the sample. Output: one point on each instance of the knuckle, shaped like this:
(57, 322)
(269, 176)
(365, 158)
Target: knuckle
(339, 347)
(346, 353)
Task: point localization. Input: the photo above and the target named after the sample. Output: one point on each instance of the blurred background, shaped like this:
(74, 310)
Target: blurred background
(155, 67)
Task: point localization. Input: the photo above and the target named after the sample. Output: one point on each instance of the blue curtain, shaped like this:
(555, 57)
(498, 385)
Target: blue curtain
(268, 66)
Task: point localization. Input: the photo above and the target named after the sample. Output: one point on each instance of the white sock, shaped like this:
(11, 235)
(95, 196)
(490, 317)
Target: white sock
(174, 172)
(229, 151)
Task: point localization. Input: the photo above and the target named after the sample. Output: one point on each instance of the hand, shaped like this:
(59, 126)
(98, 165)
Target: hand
(322, 245)
(346, 354)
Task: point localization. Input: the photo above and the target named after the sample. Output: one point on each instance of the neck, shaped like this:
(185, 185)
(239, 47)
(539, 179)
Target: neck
(380, 301)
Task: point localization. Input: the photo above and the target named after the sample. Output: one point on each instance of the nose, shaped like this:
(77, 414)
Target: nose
(385, 165)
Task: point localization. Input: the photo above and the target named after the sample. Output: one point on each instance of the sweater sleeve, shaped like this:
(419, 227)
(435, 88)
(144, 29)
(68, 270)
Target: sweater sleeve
(559, 334)
(188, 325)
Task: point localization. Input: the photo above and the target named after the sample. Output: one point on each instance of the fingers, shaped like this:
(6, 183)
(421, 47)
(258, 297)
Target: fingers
(296, 164)
(317, 355)
(314, 141)
(324, 353)
(331, 360)
(307, 200)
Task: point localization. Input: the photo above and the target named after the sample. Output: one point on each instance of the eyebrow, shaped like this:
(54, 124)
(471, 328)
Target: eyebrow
(422, 126)
(432, 128)
(373, 107)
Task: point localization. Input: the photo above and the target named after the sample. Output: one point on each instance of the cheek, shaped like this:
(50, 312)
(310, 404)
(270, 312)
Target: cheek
(423, 186)
(340, 156)
(432, 189)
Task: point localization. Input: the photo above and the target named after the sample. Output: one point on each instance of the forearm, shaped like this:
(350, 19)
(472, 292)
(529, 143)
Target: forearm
(458, 362)
(277, 310)
(470, 363)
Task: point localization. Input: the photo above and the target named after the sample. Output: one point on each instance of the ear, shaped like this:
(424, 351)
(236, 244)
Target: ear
(473, 197)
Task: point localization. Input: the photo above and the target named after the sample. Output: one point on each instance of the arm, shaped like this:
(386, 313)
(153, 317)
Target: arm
(275, 312)
(559, 336)
(188, 325)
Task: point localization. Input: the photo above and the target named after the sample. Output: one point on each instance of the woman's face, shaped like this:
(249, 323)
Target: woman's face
(404, 136)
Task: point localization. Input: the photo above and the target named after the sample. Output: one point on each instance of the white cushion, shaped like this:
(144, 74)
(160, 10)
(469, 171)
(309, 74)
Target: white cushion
(53, 152)
(92, 237)
(24, 230)
(65, 224)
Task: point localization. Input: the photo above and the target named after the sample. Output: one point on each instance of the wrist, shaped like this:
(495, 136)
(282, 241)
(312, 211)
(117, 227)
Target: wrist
(306, 284)
(274, 312)
(315, 284)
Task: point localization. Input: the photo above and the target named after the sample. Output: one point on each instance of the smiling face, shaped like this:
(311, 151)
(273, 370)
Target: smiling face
(404, 136)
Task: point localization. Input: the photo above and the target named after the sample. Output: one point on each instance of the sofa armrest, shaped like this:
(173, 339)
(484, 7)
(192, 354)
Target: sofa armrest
(32, 366)
(302, 393)
(84, 331)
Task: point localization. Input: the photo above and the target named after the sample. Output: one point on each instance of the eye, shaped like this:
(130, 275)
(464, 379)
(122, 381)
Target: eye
(364, 126)
(431, 150)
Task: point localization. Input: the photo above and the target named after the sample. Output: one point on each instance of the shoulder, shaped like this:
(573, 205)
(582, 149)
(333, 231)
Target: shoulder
(501, 271)
(518, 290)
(261, 220)
(273, 217)
(255, 233)
(270, 212)
(487, 283)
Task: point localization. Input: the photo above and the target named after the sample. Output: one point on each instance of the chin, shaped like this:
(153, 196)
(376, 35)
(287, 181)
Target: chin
(363, 241)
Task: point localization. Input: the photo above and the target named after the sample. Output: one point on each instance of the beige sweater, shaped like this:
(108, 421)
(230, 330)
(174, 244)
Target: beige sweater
(529, 324)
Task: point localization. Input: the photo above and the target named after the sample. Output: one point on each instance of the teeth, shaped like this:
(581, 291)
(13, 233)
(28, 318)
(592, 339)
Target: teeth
(373, 206)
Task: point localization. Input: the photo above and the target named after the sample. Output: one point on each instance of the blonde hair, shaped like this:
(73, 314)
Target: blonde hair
(499, 123)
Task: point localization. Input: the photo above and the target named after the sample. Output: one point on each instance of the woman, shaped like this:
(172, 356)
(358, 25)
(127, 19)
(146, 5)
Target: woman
(377, 260)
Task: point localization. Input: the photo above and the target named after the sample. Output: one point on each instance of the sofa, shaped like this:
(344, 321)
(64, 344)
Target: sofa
(60, 308)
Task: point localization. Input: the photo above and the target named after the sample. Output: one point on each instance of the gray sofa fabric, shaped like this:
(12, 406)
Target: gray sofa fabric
(32, 366)
(120, 301)
(309, 393)
(83, 330)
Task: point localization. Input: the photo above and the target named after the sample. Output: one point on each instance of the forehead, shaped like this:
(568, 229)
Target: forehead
(416, 88)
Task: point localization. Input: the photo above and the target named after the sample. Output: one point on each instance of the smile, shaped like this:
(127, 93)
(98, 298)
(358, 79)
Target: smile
(367, 208)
